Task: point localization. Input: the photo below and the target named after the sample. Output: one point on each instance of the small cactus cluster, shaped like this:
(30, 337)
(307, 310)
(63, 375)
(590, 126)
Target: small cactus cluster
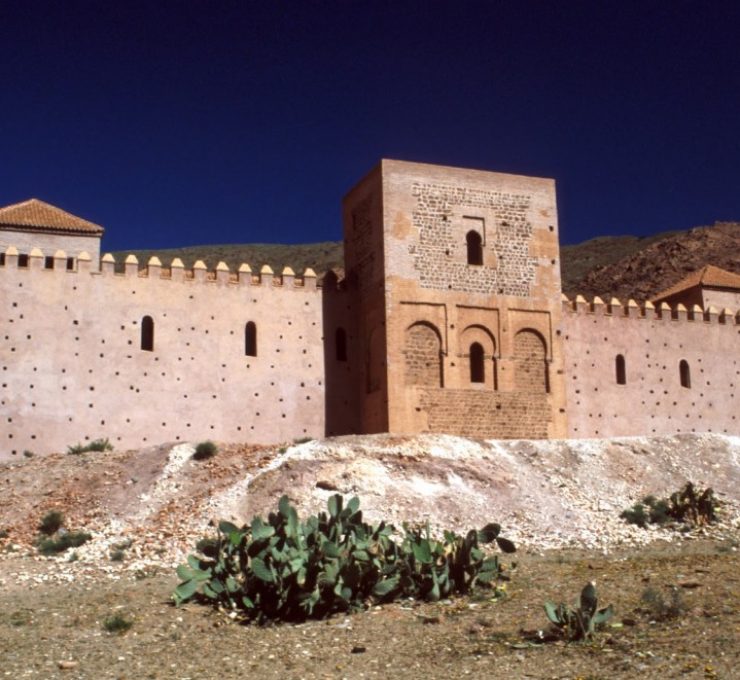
(579, 623)
(283, 569)
(688, 505)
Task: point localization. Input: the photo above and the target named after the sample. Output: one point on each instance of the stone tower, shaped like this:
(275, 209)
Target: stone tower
(454, 280)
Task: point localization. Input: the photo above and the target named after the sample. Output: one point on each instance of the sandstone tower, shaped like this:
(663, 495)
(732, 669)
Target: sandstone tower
(455, 286)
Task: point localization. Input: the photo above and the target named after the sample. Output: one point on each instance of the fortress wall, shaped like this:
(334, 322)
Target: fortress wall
(72, 368)
(653, 342)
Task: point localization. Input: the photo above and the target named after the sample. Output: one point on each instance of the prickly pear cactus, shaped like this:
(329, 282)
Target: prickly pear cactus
(579, 623)
(288, 570)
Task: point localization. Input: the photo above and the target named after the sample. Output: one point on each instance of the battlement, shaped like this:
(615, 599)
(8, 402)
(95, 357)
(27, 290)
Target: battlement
(57, 263)
(631, 309)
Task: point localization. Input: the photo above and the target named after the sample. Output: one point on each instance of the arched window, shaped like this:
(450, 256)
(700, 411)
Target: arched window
(481, 355)
(477, 364)
(340, 344)
(250, 339)
(475, 247)
(621, 370)
(147, 334)
(685, 372)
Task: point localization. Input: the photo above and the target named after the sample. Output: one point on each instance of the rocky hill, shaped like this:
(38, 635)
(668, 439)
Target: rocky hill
(628, 267)
(621, 266)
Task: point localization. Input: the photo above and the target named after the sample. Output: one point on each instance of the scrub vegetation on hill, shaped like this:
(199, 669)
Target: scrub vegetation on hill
(621, 266)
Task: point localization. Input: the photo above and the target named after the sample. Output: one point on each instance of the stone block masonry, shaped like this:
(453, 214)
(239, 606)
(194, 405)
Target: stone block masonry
(439, 254)
(477, 413)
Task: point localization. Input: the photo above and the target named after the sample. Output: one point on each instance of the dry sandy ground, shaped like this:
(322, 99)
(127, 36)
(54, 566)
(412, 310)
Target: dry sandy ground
(547, 495)
(55, 630)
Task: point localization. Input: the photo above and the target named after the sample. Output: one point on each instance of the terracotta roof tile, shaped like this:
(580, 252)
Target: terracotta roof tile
(37, 215)
(709, 276)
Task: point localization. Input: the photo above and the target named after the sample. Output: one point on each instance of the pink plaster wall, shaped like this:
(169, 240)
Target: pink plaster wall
(652, 401)
(72, 369)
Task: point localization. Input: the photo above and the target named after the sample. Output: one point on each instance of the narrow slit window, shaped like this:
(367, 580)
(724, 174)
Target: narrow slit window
(147, 334)
(340, 344)
(70, 264)
(475, 247)
(250, 339)
(685, 373)
(621, 370)
(477, 364)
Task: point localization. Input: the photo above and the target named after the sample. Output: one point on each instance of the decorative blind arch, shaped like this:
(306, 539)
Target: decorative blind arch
(530, 362)
(423, 353)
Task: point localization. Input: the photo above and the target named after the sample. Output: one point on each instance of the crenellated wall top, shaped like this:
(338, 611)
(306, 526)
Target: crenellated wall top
(176, 271)
(630, 309)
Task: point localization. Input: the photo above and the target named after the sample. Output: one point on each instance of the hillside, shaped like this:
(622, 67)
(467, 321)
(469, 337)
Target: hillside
(318, 256)
(628, 267)
(621, 266)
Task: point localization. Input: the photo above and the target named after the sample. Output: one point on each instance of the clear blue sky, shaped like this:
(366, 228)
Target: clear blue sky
(233, 122)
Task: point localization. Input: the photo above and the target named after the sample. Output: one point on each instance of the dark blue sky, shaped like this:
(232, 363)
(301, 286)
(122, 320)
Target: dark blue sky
(185, 123)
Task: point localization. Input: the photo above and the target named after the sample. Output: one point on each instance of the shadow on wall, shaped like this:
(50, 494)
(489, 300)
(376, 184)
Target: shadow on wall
(340, 360)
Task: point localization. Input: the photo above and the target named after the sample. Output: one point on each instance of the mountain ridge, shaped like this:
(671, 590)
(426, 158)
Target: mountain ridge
(637, 267)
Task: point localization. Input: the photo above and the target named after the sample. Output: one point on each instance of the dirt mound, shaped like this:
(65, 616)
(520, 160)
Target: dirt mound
(546, 494)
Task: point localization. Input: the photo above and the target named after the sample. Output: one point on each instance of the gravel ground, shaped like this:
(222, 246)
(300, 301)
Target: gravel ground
(56, 630)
